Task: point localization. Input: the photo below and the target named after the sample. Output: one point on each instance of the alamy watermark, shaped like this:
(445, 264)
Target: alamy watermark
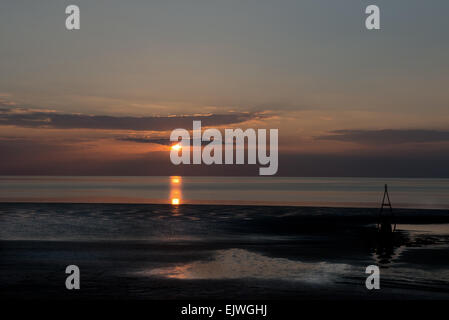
(372, 21)
(212, 152)
(73, 280)
(373, 280)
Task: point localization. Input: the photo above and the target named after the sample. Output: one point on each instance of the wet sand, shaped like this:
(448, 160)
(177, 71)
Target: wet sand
(219, 252)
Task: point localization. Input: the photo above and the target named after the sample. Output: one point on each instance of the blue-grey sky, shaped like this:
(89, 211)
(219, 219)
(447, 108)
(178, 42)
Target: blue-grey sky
(308, 67)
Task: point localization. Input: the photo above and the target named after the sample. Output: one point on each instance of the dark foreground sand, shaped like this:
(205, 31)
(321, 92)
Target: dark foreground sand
(219, 252)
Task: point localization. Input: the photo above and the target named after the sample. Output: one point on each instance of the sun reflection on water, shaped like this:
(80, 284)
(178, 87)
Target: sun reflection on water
(175, 190)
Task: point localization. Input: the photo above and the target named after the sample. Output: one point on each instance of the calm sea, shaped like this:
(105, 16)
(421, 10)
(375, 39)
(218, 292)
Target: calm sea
(335, 192)
(163, 251)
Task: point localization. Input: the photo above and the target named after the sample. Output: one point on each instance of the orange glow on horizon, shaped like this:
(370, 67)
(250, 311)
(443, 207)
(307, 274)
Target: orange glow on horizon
(176, 147)
(175, 201)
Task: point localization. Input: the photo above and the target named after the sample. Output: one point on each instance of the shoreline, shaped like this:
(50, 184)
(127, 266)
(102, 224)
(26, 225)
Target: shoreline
(137, 201)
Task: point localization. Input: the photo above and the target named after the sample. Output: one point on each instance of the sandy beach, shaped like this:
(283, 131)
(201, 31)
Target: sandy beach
(216, 252)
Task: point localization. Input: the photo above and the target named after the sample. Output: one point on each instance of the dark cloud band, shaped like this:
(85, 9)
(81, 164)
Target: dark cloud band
(155, 123)
(387, 136)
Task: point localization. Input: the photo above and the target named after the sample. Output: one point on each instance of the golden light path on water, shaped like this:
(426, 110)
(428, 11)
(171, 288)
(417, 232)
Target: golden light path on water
(175, 190)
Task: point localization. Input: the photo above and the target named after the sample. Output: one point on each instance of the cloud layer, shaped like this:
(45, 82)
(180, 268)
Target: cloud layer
(44, 119)
(388, 136)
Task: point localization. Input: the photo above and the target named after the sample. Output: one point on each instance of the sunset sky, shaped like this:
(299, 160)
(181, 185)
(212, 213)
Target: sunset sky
(103, 100)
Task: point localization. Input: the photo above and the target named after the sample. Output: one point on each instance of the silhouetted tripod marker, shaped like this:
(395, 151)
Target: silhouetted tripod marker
(385, 221)
(385, 227)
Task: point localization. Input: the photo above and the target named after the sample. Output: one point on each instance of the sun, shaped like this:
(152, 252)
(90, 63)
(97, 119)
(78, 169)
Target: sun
(176, 147)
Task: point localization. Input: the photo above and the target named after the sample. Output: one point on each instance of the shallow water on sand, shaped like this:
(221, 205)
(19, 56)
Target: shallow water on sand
(239, 263)
(207, 251)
